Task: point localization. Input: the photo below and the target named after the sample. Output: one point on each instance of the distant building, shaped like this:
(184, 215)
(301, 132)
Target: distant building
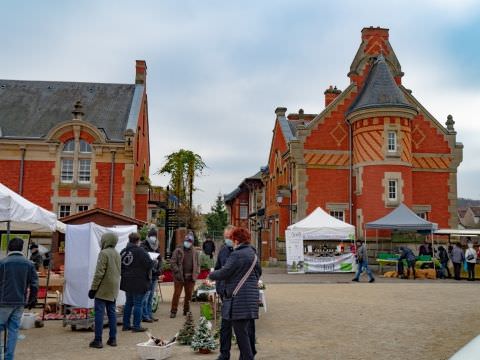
(373, 147)
(471, 217)
(97, 158)
(245, 205)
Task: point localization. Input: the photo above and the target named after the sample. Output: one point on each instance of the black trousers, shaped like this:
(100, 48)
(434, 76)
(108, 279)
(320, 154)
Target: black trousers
(225, 339)
(471, 271)
(245, 333)
(457, 268)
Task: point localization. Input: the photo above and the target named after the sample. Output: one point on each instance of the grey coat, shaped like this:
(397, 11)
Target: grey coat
(457, 255)
(245, 304)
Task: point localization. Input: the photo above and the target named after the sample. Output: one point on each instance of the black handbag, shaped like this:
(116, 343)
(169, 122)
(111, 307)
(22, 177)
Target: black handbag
(227, 302)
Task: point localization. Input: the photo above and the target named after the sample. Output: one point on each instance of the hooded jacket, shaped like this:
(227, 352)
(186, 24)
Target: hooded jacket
(136, 269)
(106, 280)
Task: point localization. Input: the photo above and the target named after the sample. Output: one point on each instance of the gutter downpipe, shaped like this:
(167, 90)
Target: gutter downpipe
(350, 170)
(112, 174)
(22, 165)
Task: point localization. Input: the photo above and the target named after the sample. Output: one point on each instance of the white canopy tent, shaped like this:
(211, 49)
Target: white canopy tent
(321, 226)
(19, 213)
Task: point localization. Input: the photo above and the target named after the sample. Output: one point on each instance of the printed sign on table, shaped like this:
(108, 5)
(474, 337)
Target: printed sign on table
(294, 247)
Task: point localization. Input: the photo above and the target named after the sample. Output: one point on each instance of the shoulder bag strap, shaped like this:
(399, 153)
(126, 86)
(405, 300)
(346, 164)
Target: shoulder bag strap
(245, 277)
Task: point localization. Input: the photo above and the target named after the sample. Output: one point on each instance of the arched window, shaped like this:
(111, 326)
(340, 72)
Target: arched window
(69, 146)
(76, 162)
(85, 147)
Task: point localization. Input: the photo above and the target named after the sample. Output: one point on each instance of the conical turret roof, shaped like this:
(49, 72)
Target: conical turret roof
(380, 90)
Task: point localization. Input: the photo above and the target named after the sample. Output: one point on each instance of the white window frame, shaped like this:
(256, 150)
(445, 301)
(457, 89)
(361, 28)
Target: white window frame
(67, 173)
(85, 172)
(82, 151)
(338, 214)
(393, 182)
(62, 210)
(423, 215)
(392, 138)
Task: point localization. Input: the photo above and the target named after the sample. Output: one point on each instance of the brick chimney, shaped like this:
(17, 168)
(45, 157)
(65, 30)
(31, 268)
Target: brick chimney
(330, 94)
(141, 72)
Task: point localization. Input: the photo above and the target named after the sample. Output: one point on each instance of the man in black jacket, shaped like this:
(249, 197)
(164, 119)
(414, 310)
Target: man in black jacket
(135, 281)
(150, 245)
(17, 276)
(226, 326)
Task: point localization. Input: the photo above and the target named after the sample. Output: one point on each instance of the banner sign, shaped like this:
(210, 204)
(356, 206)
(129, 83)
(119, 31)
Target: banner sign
(294, 249)
(319, 264)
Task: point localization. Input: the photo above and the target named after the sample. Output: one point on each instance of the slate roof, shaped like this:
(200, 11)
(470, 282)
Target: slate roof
(475, 210)
(380, 90)
(29, 109)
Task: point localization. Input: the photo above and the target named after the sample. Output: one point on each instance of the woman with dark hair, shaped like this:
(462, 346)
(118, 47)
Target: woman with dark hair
(240, 304)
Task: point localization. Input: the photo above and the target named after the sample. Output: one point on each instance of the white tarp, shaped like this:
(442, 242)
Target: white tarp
(321, 226)
(22, 212)
(82, 246)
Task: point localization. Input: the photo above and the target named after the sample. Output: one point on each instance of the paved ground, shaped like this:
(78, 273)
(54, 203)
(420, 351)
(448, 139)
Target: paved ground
(314, 317)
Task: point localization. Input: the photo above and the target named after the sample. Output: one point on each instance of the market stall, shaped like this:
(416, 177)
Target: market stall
(82, 246)
(309, 244)
(19, 214)
(402, 219)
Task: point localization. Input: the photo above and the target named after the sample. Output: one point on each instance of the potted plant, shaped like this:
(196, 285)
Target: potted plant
(203, 340)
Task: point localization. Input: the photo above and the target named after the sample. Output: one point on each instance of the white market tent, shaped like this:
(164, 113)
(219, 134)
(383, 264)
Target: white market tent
(19, 213)
(319, 225)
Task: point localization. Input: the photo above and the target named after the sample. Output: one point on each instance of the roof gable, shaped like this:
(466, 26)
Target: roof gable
(32, 108)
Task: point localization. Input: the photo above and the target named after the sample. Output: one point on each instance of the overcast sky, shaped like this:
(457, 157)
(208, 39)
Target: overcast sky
(218, 69)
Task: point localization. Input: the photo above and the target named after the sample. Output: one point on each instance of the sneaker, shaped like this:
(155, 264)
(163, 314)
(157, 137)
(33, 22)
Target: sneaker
(147, 320)
(96, 344)
(126, 328)
(172, 315)
(154, 319)
(112, 342)
(355, 279)
(139, 329)
(371, 280)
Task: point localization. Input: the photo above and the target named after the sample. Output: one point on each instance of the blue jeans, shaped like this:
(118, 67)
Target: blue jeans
(147, 301)
(100, 306)
(133, 303)
(10, 318)
(361, 266)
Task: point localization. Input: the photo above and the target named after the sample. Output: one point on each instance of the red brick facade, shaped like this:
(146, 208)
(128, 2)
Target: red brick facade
(371, 148)
(126, 157)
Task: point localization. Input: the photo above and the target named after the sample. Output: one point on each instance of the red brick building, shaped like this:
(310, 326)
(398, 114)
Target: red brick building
(99, 157)
(372, 147)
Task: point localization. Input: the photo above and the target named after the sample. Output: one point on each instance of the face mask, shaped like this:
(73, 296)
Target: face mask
(187, 244)
(470, 246)
(229, 243)
(152, 241)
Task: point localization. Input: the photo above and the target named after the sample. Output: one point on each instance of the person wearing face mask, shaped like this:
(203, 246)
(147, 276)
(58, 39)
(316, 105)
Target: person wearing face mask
(471, 259)
(226, 326)
(150, 245)
(185, 265)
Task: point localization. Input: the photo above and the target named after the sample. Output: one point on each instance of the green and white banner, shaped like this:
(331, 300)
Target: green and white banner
(320, 264)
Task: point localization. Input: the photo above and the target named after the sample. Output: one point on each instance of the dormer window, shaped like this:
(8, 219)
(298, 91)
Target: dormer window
(76, 162)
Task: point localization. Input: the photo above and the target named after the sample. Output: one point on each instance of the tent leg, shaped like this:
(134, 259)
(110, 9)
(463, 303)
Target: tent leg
(8, 232)
(433, 251)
